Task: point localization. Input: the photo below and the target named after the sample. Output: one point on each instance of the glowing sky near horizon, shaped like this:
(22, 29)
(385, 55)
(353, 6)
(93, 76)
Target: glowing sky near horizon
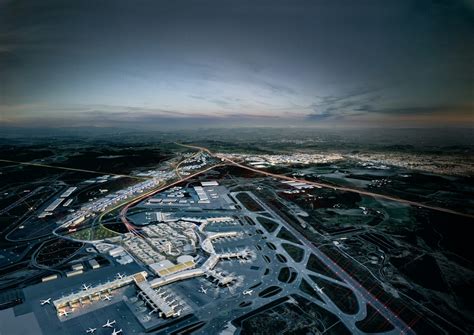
(165, 63)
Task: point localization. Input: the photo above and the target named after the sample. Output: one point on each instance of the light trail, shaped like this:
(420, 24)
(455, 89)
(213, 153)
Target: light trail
(392, 317)
(181, 162)
(352, 190)
(123, 212)
(335, 187)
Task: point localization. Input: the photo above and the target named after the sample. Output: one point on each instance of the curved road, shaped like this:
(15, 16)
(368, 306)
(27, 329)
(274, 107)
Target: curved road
(377, 304)
(384, 310)
(123, 212)
(337, 188)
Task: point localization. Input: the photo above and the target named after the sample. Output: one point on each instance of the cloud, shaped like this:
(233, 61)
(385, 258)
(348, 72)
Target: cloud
(121, 116)
(277, 88)
(269, 61)
(418, 110)
(408, 116)
(368, 104)
(355, 102)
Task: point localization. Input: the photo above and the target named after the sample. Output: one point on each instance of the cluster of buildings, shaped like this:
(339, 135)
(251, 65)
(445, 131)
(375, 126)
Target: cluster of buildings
(206, 192)
(380, 182)
(194, 163)
(297, 185)
(141, 250)
(52, 206)
(442, 164)
(76, 269)
(163, 240)
(158, 174)
(101, 179)
(117, 252)
(202, 195)
(173, 196)
(172, 238)
(208, 195)
(101, 204)
(168, 250)
(262, 161)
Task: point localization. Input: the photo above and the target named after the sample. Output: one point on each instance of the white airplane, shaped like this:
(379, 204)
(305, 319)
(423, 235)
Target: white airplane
(64, 313)
(91, 330)
(178, 313)
(319, 289)
(116, 332)
(120, 275)
(44, 302)
(203, 290)
(85, 287)
(248, 292)
(106, 297)
(108, 324)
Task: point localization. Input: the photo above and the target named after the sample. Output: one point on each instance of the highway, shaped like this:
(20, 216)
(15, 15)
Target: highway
(181, 162)
(377, 304)
(338, 188)
(123, 212)
(332, 265)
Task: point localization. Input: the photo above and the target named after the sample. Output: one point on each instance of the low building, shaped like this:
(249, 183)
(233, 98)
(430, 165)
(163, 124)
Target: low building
(77, 267)
(94, 264)
(116, 251)
(53, 205)
(125, 259)
(68, 192)
(166, 267)
(49, 278)
(74, 273)
(185, 259)
(209, 183)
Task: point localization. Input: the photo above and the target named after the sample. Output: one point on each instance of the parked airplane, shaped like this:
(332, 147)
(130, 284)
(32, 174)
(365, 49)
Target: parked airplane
(120, 275)
(106, 297)
(248, 292)
(64, 313)
(319, 289)
(85, 287)
(203, 290)
(108, 324)
(116, 332)
(91, 330)
(178, 313)
(44, 302)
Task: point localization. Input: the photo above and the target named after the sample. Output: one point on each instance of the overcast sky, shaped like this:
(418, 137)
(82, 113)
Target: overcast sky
(233, 63)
